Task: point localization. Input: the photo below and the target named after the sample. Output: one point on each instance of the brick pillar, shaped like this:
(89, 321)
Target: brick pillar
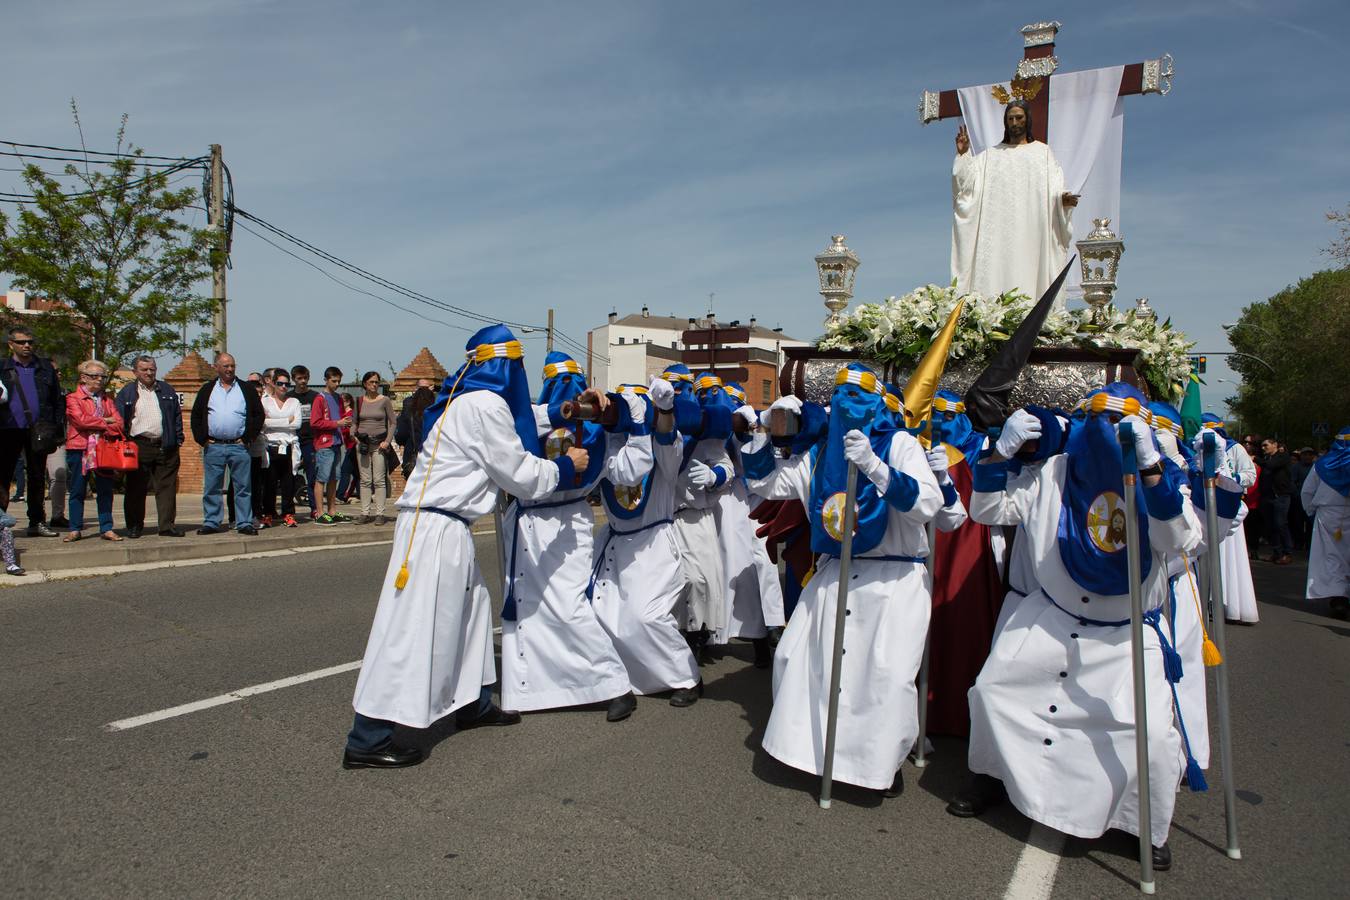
(187, 379)
(423, 365)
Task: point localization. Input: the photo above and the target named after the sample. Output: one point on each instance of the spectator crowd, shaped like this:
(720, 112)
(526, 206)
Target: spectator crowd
(275, 452)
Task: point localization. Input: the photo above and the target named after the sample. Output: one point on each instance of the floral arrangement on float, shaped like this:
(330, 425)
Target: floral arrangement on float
(898, 330)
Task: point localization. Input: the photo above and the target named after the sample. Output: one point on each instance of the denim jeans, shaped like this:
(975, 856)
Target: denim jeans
(216, 458)
(307, 468)
(372, 734)
(78, 481)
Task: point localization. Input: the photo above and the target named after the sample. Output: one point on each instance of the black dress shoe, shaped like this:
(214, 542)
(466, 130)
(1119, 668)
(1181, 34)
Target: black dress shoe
(983, 793)
(494, 716)
(248, 530)
(1162, 858)
(897, 786)
(175, 531)
(60, 522)
(41, 529)
(135, 531)
(763, 653)
(211, 529)
(686, 696)
(621, 708)
(391, 756)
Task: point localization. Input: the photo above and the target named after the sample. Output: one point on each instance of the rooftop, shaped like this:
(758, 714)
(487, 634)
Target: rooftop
(675, 323)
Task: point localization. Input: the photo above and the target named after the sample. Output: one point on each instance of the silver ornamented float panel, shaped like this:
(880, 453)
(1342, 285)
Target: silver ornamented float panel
(1037, 67)
(1038, 34)
(1059, 384)
(1157, 76)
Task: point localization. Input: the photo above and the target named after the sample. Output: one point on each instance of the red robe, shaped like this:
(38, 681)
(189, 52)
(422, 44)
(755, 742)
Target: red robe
(967, 596)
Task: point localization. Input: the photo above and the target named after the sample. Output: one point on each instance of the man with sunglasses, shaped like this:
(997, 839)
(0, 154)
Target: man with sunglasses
(31, 424)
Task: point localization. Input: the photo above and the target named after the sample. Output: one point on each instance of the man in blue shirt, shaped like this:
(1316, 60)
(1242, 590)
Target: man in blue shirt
(32, 424)
(226, 417)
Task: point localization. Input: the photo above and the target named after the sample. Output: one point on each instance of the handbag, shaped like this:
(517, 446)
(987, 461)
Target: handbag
(116, 455)
(43, 436)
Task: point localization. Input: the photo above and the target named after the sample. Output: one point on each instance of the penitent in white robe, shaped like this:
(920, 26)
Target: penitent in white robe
(430, 646)
(754, 595)
(555, 653)
(889, 604)
(638, 580)
(1239, 594)
(1052, 712)
(702, 603)
(1329, 556)
(1009, 226)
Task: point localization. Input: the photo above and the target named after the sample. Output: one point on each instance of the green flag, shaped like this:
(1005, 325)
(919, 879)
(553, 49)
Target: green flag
(1191, 409)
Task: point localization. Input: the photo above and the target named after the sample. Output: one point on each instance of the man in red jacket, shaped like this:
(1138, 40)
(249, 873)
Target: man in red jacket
(326, 421)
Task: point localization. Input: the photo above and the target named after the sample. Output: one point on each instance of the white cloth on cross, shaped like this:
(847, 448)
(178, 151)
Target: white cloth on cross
(1086, 133)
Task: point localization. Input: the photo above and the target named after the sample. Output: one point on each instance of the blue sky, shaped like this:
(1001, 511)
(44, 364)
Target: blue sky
(595, 155)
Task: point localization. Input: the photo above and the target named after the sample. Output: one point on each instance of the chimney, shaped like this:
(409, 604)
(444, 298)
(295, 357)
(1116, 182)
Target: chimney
(613, 317)
(752, 321)
(16, 299)
(646, 313)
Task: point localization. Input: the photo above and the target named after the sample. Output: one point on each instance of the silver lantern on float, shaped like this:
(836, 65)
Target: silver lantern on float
(836, 267)
(1099, 256)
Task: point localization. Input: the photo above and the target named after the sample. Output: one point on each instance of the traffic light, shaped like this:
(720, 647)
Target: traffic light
(1198, 364)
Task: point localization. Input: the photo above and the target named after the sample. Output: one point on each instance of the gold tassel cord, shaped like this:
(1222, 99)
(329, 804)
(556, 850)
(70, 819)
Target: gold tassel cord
(1210, 653)
(401, 579)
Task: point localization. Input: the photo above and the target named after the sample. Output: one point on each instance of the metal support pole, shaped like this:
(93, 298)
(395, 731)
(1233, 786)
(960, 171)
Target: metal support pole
(920, 754)
(1132, 557)
(840, 612)
(216, 219)
(1214, 565)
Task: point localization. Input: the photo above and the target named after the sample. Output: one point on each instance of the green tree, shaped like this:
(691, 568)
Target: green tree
(1303, 333)
(1339, 248)
(113, 249)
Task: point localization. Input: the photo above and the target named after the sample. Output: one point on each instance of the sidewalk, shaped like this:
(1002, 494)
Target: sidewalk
(51, 556)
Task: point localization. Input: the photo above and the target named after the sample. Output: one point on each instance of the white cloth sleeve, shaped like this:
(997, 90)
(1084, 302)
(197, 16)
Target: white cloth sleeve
(494, 445)
(628, 463)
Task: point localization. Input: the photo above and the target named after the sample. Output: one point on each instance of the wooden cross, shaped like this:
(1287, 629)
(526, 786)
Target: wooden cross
(1034, 71)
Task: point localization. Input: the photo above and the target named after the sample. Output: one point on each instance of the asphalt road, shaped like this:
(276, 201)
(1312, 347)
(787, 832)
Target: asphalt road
(248, 798)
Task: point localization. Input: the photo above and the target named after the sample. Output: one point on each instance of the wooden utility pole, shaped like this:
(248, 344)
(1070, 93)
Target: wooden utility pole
(216, 219)
(548, 342)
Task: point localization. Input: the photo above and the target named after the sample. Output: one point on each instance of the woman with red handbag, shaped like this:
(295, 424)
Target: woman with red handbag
(91, 418)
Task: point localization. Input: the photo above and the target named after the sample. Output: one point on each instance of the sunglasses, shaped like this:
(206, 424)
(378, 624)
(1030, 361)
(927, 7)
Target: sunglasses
(21, 343)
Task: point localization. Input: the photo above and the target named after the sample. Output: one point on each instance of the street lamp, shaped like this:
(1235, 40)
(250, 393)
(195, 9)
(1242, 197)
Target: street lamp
(836, 267)
(1099, 256)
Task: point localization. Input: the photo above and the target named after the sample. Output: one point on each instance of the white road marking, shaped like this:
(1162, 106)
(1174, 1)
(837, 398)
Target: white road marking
(1034, 877)
(231, 697)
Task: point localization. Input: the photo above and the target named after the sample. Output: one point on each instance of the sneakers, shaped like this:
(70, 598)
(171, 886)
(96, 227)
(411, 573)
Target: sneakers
(289, 521)
(364, 520)
(14, 569)
(339, 517)
(326, 519)
(265, 522)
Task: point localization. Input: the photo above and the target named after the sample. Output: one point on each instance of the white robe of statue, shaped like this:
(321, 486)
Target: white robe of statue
(1010, 229)
(1329, 556)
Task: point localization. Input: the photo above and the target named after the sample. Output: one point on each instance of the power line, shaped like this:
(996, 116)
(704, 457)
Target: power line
(99, 162)
(331, 277)
(94, 152)
(187, 164)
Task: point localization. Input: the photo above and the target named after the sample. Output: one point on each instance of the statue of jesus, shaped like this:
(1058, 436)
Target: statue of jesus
(1011, 217)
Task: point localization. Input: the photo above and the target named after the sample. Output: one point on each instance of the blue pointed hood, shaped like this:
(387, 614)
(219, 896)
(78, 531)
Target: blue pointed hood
(494, 361)
(563, 379)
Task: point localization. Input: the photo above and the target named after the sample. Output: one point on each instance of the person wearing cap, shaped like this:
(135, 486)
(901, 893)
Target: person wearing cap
(752, 596)
(1239, 593)
(705, 472)
(1326, 497)
(1052, 712)
(430, 651)
(888, 598)
(555, 653)
(638, 578)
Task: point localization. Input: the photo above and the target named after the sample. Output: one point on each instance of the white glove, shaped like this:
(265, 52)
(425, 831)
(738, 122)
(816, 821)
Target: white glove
(637, 410)
(858, 450)
(747, 412)
(701, 476)
(1144, 450)
(937, 461)
(1021, 427)
(790, 403)
(662, 394)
